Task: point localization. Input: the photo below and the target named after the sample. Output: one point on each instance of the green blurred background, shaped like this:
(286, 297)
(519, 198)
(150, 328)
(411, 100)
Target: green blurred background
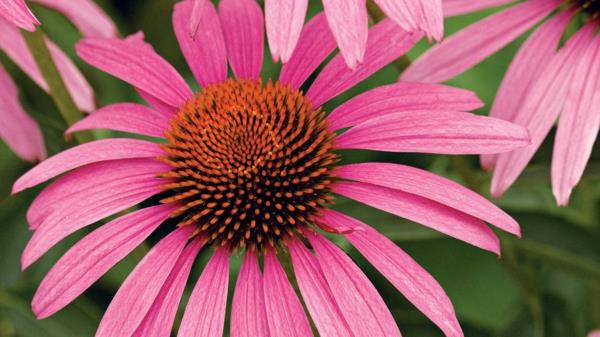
(546, 284)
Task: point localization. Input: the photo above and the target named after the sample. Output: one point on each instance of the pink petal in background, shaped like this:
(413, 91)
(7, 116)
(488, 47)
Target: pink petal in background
(17, 13)
(284, 21)
(349, 23)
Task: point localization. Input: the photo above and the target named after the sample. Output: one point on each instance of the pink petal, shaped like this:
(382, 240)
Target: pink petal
(401, 97)
(595, 333)
(459, 7)
(360, 303)
(205, 312)
(17, 13)
(248, 315)
(315, 44)
(541, 107)
(141, 67)
(159, 319)
(140, 290)
(386, 43)
(157, 104)
(18, 129)
(93, 256)
(349, 24)
(402, 271)
(92, 152)
(424, 211)
(473, 44)
(96, 179)
(99, 203)
(533, 56)
(127, 117)
(285, 314)
(204, 51)
(413, 15)
(284, 21)
(317, 296)
(430, 186)
(85, 15)
(243, 27)
(449, 132)
(578, 126)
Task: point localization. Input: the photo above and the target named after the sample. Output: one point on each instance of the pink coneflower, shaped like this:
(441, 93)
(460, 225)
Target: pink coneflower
(348, 20)
(540, 83)
(250, 167)
(17, 129)
(595, 333)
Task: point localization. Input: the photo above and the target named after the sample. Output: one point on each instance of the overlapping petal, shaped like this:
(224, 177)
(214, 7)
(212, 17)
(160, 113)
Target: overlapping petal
(86, 15)
(284, 21)
(17, 12)
(459, 7)
(349, 23)
(248, 313)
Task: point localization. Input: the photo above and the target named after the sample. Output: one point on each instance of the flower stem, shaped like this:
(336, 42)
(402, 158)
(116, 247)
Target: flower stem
(58, 91)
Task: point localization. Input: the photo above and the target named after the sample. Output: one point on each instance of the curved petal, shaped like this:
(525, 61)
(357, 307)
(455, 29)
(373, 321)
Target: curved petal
(316, 292)
(140, 67)
(88, 17)
(349, 24)
(459, 7)
(205, 312)
(435, 132)
(385, 43)
(141, 288)
(578, 126)
(403, 97)
(424, 211)
(541, 107)
(284, 21)
(205, 50)
(412, 15)
(533, 56)
(93, 256)
(315, 44)
(248, 314)
(286, 317)
(431, 186)
(17, 129)
(473, 44)
(127, 117)
(92, 152)
(414, 282)
(17, 13)
(159, 319)
(360, 303)
(243, 27)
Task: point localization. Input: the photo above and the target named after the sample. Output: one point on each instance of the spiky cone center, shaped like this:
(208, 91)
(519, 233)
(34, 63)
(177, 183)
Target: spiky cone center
(251, 164)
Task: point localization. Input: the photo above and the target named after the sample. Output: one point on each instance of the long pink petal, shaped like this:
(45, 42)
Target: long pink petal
(141, 288)
(315, 44)
(284, 21)
(578, 126)
(17, 129)
(385, 43)
(205, 312)
(141, 67)
(248, 314)
(88, 17)
(349, 23)
(205, 51)
(413, 15)
(317, 295)
(358, 300)
(414, 282)
(17, 13)
(93, 256)
(285, 314)
(424, 211)
(243, 27)
(92, 152)
(448, 132)
(431, 186)
(98, 179)
(533, 56)
(541, 107)
(473, 44)
(159, 319)
(127, 117)
(459, 7)
(402, 97)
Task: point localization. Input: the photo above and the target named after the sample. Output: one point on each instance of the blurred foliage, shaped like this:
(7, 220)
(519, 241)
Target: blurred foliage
(545, 284)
